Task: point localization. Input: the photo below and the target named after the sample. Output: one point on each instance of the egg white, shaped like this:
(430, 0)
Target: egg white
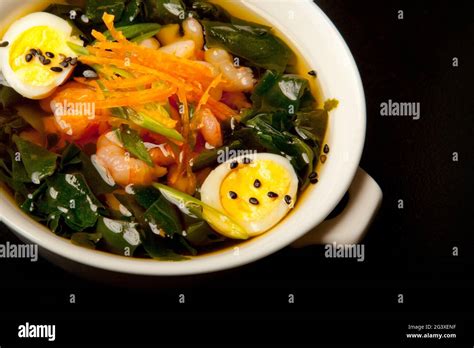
(16, 29)
(210, 192)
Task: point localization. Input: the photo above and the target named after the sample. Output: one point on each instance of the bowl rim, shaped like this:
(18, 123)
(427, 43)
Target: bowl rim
(209, 263)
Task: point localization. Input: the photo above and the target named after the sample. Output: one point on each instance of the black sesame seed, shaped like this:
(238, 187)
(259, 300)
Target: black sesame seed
(313, 73)
(49, 55)
(288, 199)
(39, 52)
(33, 51)
(314, 181)
(257, 183)
(233, 195)
(41, 58)
(313, 175)
(56, 69)
(68, 59)
(272, 194)
(234, 165)
(64, 64)
(28, 57)
(46, 61)
(253, 201)
(4, 44)
(246, 160)
(326, 149)
(90, 74)
(73, 61)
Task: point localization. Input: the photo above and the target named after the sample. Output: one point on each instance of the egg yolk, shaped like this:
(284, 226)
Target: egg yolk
(244, 193)
(34, 72)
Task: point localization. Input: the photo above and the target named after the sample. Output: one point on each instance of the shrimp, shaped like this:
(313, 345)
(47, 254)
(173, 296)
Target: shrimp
(238, 79)
(186, 46)
(193, 31)
(124, 169)
(181, 49)
(162, 155)
(151, 42)
(210, 127)
(72, 119)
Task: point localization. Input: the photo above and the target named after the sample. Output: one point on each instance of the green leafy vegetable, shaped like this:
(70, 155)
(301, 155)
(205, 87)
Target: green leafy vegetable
(32, 115)
(39, 162)
(201, 234)
(259, 47)
(69, 196)
(9, 97)
(165, 11)
(281, 92)
(312, 125)
(160, 214)
(133, 12)
(210, 158)
(120, 237)
(86, 240)
(280, 141)
(209, 11)
(132, 142)
(96, 8)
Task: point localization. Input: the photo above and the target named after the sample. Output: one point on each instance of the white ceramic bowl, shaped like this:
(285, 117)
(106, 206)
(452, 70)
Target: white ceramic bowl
(322, 46)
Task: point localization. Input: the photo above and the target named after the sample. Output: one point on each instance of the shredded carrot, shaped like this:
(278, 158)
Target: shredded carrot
(109, 23)
(205, 97)
(98, 35)
(131, 66)
(120, 83)
(118, 99)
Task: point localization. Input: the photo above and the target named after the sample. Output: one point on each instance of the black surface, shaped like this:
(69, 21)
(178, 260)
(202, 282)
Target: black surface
(408, 250)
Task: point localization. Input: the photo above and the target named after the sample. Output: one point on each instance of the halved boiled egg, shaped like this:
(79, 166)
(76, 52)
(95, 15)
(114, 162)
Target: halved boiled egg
(256, 191)
(36, 58)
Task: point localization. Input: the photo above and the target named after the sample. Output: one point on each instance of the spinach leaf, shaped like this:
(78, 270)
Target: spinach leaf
(96, 181)
(281, 92)
(154, 244)
(160, 214)
(209, 11)
(9, 97)
(133, 12)
(70, 156)
(86, 240)
(259, 47)
(69, 196)
(39, 162)
(96, 8)
(209, 158)
(201, 234)
(120, 237)
(284, 143)
(74, 159)
(312, 125)
(165, 11)
(134, 144)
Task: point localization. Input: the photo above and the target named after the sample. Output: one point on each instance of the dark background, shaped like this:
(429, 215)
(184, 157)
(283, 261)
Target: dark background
(408, 250)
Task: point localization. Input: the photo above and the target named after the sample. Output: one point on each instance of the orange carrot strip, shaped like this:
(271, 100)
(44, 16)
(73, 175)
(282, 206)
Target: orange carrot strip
(118, 99)
(109, 23)
(98, 35)
(132, 66)
(205, 97)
